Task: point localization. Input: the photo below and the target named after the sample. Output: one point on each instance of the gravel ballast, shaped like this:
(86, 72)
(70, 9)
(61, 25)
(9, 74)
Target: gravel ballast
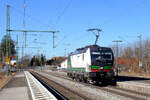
(90, 92)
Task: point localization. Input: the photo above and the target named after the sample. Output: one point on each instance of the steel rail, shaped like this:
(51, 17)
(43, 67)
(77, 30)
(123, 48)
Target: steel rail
(57, 94)
(74, 92)
(37, 90)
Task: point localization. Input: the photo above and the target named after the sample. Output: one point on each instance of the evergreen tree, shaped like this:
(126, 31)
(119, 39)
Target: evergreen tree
(10, 48)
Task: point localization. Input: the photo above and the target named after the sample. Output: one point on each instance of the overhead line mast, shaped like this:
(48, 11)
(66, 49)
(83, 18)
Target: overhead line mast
(140, 53)
(53, 32)
(24, 14)
(117, 41)
(8, 49)
(24, 33)
(8, 30)
(8, 52)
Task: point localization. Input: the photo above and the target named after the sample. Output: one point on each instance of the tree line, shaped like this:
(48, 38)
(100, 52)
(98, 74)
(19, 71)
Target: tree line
(129, 56)
(38, 60)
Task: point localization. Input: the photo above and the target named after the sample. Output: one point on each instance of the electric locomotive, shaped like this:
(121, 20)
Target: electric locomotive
(92, 63)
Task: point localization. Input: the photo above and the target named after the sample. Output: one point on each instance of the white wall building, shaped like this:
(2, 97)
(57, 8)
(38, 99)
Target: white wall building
(64, 64)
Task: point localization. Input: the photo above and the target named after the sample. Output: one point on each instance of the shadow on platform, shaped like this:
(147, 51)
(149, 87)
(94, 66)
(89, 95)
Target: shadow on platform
(129, 78)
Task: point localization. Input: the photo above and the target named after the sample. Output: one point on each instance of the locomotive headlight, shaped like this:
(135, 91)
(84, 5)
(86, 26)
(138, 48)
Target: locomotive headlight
(101, 67)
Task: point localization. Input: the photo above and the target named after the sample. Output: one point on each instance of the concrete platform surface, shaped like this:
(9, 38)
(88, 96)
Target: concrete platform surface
(16, 89)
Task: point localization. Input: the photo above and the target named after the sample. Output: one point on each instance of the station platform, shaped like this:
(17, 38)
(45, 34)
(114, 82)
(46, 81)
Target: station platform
(16, 89)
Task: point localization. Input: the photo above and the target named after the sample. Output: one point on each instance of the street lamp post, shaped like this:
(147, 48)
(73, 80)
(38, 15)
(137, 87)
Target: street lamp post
(117, 41)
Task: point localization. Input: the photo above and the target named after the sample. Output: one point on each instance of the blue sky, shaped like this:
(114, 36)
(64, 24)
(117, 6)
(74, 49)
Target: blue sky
(119, 19)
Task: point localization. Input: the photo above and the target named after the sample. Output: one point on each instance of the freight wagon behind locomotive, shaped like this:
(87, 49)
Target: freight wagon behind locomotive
(92, 64)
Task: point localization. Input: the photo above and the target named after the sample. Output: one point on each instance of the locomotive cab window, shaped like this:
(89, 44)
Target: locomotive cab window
(107, 56)
(100, 56)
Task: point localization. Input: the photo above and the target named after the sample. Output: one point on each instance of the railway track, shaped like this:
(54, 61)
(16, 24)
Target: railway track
(116, 87)
(58, 95)
(40, 90)
(130, 94)
(69, 94)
